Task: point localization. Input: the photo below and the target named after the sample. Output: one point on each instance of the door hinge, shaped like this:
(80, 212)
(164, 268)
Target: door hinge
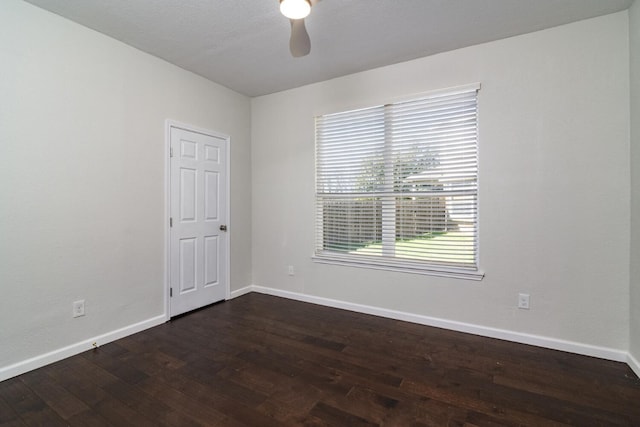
(170, 151)
(170, 222)
(170, 292)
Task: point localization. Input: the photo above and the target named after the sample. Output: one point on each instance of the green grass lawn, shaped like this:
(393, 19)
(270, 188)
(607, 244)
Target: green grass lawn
(454, 247)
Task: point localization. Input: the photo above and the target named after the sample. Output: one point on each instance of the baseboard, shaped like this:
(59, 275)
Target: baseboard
(73, 349)
(633, 364)
(239, 292)
(540, 341)
(537, 340)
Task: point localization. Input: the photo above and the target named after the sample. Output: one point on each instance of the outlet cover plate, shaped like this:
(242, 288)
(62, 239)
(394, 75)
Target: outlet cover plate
(78, 308)
(523, 301)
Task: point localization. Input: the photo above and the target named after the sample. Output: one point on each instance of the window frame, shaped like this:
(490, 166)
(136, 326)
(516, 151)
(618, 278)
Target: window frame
(396, 263)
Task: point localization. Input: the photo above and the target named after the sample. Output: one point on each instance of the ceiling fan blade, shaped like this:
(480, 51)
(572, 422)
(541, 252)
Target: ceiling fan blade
(299, 44)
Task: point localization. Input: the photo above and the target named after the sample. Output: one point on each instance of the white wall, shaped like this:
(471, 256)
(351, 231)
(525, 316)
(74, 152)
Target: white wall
(634, 48)
(82, 179)
(554, 173)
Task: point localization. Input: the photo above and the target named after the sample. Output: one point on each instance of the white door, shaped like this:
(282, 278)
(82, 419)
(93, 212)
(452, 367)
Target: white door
(198, 206)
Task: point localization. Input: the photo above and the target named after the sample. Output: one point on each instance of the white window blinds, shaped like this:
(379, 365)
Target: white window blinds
(397, 184)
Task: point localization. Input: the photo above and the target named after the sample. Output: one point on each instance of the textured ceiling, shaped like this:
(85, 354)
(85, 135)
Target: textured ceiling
(244, 44)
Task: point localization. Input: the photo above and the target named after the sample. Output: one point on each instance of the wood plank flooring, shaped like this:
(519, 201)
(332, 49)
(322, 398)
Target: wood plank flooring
(265, 361)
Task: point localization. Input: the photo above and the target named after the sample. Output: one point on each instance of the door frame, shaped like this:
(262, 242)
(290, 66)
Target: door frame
(169, 124)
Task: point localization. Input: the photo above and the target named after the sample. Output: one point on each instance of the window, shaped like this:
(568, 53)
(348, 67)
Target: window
(397, 185)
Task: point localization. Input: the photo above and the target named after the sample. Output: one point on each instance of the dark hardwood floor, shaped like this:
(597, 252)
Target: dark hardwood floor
(265, 361)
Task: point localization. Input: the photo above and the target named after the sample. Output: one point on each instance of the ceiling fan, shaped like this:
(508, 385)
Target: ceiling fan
(296, 11)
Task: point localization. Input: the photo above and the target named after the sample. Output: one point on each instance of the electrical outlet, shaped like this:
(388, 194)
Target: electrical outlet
(523, 301)
(78, 308)
(290, 270)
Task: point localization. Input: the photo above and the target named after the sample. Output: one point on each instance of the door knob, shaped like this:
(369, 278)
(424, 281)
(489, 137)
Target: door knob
(223, 228)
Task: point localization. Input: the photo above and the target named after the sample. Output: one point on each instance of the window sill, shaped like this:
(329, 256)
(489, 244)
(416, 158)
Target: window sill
(400, 266)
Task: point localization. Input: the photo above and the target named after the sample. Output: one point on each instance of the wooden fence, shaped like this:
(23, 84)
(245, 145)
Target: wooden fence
(349, 224)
